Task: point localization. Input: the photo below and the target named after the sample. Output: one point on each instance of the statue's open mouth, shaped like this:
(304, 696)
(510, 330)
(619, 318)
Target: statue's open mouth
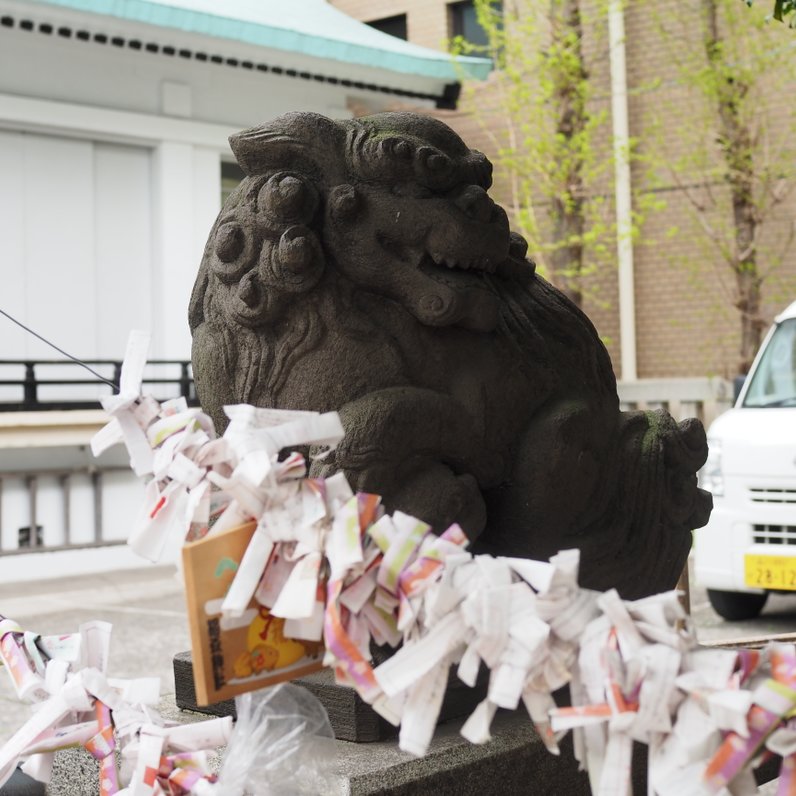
(436, 263)
(462, 267)
(446, 268)
(458, 275)
(461, 263)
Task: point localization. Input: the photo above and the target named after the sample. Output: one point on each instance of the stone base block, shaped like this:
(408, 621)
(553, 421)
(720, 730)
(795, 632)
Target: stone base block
(350, 717)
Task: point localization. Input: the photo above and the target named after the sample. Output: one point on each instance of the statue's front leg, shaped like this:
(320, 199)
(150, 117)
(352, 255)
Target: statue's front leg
(418, 449)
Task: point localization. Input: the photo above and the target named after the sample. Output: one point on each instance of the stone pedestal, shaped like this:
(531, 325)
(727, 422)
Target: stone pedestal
(514, 762)
(350, 717)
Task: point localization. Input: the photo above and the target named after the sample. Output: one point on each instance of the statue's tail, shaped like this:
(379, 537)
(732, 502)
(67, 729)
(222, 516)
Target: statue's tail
(656, 508)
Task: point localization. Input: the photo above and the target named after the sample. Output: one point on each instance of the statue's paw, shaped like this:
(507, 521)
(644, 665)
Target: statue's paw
(428, 490)
(440, 497)
(432, 492)
(465, 505)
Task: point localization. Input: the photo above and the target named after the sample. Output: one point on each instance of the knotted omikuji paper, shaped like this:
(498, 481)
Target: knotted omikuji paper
(302, 567)
(79, 705)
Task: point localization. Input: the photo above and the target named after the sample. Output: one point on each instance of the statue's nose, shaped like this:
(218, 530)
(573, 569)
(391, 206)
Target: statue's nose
(247, 290)
(474, 202)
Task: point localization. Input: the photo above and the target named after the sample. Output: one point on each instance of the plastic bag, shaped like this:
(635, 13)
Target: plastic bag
(282, 744)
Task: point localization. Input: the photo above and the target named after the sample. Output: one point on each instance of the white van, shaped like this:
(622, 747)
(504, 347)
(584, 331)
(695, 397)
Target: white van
(748, 548)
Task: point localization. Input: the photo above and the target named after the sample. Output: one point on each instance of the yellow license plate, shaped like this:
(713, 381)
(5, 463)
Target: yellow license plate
(770, 572)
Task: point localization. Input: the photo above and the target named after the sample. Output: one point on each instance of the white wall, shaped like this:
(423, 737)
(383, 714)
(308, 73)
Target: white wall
(99, 239)
(123, 244)
(76, 219)
(186, 198)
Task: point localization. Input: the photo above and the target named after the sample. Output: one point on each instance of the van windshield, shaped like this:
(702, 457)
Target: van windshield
(774, 379)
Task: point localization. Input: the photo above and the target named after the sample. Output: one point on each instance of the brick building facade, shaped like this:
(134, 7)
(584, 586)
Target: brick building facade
(685, 324)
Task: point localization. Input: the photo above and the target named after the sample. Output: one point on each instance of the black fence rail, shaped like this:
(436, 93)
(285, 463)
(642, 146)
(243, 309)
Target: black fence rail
(50, 384)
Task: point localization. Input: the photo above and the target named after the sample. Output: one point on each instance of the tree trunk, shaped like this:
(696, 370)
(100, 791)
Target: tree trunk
(735, 140)
(569, 77)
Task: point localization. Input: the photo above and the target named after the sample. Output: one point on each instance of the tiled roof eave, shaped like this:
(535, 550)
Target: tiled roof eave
(398, 57)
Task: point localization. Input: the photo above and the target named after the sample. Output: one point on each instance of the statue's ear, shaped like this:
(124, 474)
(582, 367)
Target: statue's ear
(196, 306)
(196, 314)
(301, 141)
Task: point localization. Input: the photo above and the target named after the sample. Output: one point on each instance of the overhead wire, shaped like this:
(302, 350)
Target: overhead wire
(59, 350)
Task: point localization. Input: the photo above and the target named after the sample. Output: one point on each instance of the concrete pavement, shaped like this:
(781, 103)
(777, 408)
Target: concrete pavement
(146, 609)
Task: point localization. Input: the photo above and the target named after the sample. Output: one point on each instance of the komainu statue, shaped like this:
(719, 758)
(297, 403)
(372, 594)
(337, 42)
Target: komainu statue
(361, 266)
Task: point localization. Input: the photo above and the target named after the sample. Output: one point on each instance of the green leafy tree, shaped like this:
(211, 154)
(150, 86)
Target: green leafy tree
(784, 10)
(736, 156)
(546, 132)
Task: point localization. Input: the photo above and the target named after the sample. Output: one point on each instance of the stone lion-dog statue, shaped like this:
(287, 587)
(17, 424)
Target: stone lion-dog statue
(361, 266)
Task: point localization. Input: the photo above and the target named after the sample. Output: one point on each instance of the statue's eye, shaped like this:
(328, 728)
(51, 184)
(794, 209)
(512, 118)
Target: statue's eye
(233, 249)
(230, 242)
(288, 198)
(397, 148)
(403, 150)
(434, 162)
(435, 169)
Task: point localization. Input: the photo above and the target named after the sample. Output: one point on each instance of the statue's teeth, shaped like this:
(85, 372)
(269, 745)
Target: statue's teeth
(463, 265)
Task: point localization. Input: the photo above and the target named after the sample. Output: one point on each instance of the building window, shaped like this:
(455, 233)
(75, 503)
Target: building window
(231, 176)
(464, 22)
(395, 26)
(26, 540)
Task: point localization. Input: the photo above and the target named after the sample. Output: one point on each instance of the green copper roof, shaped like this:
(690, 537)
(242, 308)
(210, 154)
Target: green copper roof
(310, 27)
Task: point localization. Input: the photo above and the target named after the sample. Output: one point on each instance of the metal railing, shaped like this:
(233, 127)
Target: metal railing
(703, 398)
(46, 509)
(26, 507)
(50, 384)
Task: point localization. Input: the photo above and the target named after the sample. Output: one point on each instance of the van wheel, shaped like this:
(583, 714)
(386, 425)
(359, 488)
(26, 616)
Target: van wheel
(737, 605)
